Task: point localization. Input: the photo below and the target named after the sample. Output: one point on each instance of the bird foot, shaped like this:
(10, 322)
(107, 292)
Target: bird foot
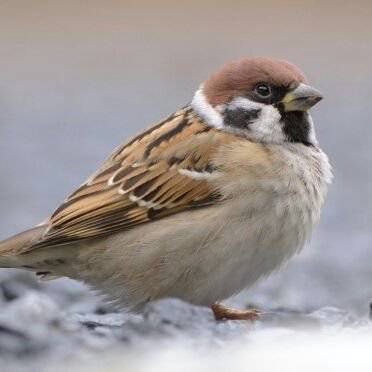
(222, 312)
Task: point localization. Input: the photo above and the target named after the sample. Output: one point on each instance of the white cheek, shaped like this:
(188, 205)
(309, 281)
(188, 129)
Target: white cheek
(241, 102)
(267, 127)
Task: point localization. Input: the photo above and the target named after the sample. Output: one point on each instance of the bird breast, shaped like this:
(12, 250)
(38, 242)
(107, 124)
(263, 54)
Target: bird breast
(270, 210)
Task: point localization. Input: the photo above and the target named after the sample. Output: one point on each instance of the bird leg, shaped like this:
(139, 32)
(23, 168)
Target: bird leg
(222, 312)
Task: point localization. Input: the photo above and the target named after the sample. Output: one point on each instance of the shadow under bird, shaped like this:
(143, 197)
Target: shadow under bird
(199, 206)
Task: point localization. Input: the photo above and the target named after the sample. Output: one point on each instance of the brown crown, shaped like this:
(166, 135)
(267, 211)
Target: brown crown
(236, 78)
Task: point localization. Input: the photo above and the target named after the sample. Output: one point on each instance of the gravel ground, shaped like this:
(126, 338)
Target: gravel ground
(47, 326)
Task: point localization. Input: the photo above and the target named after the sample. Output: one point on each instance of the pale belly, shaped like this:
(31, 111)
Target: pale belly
(202, 259)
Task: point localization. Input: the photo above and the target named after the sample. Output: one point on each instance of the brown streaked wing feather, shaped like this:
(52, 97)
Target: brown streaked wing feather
(141, 181)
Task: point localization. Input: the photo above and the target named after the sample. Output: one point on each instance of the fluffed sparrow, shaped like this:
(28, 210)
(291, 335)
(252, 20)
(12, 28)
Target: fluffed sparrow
(199, 206)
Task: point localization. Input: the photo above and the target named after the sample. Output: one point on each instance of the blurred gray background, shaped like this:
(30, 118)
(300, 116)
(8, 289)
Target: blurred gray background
(76, 78)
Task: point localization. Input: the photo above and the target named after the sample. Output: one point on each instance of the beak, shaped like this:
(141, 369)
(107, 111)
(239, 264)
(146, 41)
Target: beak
(301, 99)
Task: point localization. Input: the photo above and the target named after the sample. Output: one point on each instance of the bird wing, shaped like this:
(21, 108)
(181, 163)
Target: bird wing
(165, 170)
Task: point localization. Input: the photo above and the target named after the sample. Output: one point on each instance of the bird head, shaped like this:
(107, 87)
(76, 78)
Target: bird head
(267, 100)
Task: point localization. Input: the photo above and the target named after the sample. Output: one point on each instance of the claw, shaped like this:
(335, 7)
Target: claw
(224, 313)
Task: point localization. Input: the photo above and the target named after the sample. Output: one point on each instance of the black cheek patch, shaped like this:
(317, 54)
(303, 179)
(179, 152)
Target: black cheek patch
(240, 117)
(296, 127)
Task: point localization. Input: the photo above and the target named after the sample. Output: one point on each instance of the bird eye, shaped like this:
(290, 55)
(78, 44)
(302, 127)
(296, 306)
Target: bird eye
(263, 90)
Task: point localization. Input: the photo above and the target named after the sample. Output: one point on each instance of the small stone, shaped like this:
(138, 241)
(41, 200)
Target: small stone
(332, 316)
(33, 315)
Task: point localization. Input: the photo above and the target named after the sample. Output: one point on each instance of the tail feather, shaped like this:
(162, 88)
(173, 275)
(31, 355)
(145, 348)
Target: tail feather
(11, 248)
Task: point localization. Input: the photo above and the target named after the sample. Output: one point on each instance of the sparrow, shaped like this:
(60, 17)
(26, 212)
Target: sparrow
(201, 205)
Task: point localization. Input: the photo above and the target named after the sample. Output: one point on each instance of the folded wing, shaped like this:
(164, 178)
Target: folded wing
(165, 170)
